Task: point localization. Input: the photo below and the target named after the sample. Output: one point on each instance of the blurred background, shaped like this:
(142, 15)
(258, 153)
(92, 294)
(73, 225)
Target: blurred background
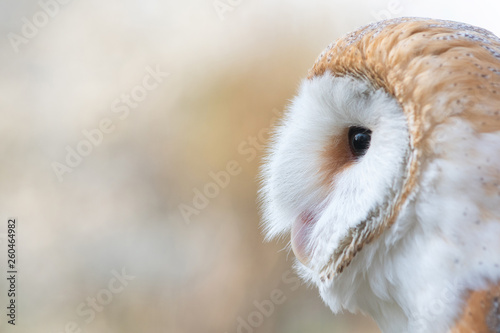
(131, 136)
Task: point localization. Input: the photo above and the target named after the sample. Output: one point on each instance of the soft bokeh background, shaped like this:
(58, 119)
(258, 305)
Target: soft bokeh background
(119, 208)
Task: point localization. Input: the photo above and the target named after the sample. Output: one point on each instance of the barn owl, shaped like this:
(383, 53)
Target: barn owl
(385, 171)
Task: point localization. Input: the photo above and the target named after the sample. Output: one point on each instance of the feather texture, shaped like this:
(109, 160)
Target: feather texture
(408, 233)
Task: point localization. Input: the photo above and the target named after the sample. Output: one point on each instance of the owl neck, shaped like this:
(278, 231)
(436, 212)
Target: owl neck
(432, 288)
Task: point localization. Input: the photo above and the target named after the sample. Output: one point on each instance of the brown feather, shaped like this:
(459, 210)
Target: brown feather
(481, 313)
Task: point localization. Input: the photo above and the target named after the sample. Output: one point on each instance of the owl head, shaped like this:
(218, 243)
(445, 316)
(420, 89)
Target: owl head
(387, 144)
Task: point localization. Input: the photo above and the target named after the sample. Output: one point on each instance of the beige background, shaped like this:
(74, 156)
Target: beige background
(119, 207)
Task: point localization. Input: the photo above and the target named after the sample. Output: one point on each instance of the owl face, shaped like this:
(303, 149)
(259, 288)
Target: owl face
(337, 163)
(384, 172)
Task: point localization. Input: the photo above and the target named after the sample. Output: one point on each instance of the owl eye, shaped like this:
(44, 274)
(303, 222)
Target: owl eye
(359, 140)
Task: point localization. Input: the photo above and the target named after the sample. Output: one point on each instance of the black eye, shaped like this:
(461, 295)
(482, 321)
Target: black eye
(359, 140)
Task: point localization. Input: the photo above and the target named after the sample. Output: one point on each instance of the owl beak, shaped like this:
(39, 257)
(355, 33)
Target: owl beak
(300, 236)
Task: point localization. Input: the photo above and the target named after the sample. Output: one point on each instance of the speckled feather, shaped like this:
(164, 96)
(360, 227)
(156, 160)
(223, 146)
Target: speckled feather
(435, 70)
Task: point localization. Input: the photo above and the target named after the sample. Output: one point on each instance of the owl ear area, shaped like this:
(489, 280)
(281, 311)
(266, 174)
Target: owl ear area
(343, 151)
